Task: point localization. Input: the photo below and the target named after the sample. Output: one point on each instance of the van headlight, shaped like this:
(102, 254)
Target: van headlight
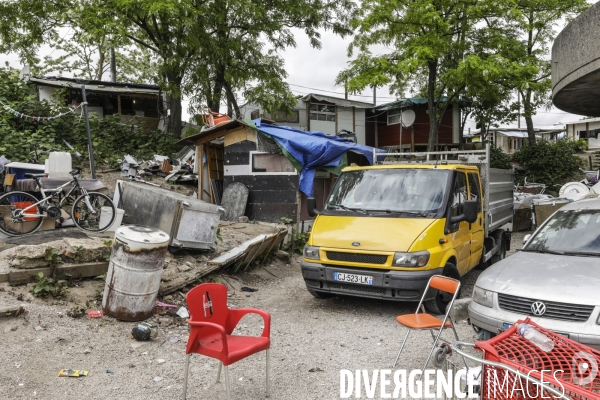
(483, 297)
(311, 252)
(414, 260)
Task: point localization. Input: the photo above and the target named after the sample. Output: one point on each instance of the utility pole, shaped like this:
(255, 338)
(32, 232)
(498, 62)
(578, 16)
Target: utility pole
(375, 115)
(89, 135)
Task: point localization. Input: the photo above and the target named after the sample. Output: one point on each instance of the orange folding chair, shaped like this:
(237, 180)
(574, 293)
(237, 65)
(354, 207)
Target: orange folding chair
(426, 321)
(211, 324)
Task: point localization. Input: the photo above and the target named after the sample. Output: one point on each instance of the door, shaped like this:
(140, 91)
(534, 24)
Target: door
(477, 232)
(460, 232)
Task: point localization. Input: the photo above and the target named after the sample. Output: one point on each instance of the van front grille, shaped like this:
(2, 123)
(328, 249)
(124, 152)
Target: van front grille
(357, 288)
(357, 258)
(554, 310)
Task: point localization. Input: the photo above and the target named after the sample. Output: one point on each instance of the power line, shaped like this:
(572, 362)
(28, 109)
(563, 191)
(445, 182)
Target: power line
(329, 91)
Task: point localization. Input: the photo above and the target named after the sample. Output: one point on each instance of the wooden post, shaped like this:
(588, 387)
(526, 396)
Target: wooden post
(200, 171)
(119, 104)
(209, 168)
(353, 119)
(308, 115)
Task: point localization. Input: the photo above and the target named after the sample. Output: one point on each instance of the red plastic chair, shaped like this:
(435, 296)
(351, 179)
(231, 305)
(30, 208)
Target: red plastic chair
(211, 324)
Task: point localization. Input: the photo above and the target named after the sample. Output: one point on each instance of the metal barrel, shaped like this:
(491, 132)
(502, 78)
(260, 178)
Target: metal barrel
(133, 277)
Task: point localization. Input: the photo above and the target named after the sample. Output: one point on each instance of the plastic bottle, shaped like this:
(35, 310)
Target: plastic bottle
(539, 339)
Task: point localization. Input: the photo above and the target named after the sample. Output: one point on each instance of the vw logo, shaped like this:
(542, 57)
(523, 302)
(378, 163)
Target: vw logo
(538, 308)
(356, 244)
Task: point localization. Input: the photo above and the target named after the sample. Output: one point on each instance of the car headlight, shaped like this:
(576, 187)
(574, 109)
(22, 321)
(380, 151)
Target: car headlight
(311, 252)
(414, 260)
(483, 297)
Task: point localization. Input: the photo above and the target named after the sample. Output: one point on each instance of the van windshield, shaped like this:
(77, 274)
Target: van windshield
(390, 190)
(569, 232)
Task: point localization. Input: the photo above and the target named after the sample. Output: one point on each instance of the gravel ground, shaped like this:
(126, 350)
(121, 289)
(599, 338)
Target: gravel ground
(311, 341)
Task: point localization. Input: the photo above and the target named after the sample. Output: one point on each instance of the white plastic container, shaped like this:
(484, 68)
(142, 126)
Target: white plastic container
(59, 164)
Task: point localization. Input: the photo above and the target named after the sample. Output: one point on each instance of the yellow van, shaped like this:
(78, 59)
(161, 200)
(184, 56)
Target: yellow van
(387, 228)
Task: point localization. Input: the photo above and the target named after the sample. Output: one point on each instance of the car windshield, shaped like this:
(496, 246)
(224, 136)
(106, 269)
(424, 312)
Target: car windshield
(390, 190)
(569, 232)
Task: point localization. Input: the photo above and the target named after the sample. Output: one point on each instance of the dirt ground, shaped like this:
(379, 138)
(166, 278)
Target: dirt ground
(311, 341)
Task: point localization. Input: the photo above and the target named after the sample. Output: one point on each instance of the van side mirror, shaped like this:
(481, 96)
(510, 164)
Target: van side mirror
(469, 212)
(311, 206)
(526, 238)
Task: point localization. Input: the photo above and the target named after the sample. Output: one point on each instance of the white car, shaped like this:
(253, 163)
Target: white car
(554, 279)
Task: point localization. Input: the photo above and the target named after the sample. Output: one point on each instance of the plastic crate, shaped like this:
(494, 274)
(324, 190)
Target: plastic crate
(563, 363)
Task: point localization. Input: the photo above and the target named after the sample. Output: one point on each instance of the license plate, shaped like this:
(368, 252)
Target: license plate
(353, 278)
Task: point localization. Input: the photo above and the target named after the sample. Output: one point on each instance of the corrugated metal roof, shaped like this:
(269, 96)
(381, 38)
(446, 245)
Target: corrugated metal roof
(412, 101)
(337, 101)
(96, 86)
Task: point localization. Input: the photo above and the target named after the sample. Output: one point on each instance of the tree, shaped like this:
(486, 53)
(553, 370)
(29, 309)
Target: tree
(534, 23)
(430, 42)
(88, 57)
(198, 44)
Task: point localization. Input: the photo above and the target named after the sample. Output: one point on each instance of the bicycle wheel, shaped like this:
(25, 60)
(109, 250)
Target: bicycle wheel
(18, 216)
(97, 219)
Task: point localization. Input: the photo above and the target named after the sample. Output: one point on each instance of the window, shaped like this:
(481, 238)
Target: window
(255, 114)
(394, 116)
(459, 194)
(281, 116)
(322, 112)
(475, 190)
(267, 163)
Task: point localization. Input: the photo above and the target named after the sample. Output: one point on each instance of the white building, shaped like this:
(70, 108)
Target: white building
(316, 112)
(588, 129)
(511, 139)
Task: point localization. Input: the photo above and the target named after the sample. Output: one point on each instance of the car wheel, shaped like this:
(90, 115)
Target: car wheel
(438, 304)
(320, 295)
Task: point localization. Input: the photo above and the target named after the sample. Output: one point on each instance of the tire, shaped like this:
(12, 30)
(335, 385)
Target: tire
(90, 220)
(11, 204)
(438, 304)
(320, 295)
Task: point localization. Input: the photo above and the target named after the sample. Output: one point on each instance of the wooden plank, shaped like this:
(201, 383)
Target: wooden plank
(62, 271)
(200, 163)
(208, 162)
(235, 253)
(240, 134)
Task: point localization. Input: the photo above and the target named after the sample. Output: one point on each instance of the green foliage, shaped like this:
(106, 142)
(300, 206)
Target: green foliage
(553, 164)
(49, 286)
(76, 312)
(111, 138)
(107, 251)
(78, 251)
(499, 159)
(53, 257)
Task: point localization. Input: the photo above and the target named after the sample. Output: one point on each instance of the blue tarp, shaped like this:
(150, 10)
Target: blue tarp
(312, 150)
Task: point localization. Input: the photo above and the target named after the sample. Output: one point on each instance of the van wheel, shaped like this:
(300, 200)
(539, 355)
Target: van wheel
(438, 304)
(320, 295)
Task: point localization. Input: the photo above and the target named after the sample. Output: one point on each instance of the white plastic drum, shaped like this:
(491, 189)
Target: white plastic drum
(133, 277)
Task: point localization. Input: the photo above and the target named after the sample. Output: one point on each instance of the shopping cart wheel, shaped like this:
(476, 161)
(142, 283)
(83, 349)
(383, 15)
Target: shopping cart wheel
(441, 355)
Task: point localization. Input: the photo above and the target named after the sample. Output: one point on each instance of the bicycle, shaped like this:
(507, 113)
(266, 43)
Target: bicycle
(22, 213)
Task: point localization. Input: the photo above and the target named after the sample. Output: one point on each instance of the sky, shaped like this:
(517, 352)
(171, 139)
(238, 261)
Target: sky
(314, 71)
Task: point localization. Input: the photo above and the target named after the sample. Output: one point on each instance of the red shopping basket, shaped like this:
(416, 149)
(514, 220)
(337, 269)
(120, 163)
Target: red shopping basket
(571, 368)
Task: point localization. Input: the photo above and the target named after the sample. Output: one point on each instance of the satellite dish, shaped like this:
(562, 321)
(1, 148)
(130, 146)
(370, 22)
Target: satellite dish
(408, 118)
